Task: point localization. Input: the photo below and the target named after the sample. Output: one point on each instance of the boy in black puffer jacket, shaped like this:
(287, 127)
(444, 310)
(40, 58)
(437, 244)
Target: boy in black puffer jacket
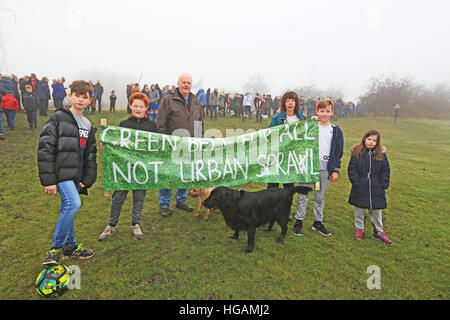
(139, 103)
(67, 164)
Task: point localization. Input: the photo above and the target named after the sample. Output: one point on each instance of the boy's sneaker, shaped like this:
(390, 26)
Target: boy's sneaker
(2, 136)
(137, 233)
(359, 234)
(78, 252)
(298, 228)
(53, 257)
(318, 226)
(382, 237)
(108, 232)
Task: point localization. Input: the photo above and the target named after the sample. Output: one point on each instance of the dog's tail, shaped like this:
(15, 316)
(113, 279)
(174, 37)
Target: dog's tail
(301, 189)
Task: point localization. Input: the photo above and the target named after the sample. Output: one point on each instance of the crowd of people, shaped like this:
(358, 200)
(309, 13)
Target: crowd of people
(33, 96)
(30, 95)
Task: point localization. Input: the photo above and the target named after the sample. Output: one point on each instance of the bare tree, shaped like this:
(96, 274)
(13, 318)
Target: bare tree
(256, 83)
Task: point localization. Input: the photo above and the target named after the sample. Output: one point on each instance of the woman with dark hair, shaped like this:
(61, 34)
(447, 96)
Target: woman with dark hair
(290, 112)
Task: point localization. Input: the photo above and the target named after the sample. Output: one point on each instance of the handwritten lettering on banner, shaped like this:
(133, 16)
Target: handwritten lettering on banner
(138, 160)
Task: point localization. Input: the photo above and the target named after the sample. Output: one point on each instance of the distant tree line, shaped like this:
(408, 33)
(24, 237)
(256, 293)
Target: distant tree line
(415, 99)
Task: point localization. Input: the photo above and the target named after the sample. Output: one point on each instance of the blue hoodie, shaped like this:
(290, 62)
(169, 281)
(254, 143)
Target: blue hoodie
(202, 97)
(58, 91)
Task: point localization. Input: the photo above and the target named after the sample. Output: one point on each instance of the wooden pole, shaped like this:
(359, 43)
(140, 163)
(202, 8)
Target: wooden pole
(103, 122)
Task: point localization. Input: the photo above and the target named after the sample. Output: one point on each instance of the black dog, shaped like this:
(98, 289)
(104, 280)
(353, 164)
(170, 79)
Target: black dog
(248, 210)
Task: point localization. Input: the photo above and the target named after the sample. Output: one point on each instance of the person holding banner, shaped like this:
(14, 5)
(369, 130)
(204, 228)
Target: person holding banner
(290, 112)
(331, 149)
(179, 114)
(138, 120)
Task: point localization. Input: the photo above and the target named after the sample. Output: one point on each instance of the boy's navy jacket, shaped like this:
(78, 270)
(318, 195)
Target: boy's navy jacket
(59, 152)
(337, 150)
(368, 190)
(143, 124)
(30, 102)
(337, 141)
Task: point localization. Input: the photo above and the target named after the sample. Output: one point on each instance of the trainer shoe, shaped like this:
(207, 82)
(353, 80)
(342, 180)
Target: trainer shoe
(2, 136)
(53, 257)
(137, 233)
(359, 234)
(165, 212)
(184, 207)
(318, 226)
(382, 237)
(108, 232)
(78, 252)
(298, 228)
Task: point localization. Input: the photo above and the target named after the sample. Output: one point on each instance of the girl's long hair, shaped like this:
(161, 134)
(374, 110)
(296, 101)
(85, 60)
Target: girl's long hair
(359, 149)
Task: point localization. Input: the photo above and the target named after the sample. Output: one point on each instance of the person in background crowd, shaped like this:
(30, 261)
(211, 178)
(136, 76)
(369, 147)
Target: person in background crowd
(146, 90)
(94, 99)
(214, 103)
(359, 109)
(129, 87)
(396, 112)
(31, 105)
(154, 98)
(208, 94)
(310, 107)
(34, 81)
(98, 93)
(201, 96)
(259, 108)
(227, 102)
(43, 93)
(338, 109)
(58, 94)
(160, 93)
(277, 104)
(16, 91)
(10, 106)
(248, 101)
(222, 103)
(22, 83)
(112, 101)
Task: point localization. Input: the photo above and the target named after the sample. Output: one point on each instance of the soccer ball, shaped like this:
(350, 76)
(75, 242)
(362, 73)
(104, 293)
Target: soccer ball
(53, 281)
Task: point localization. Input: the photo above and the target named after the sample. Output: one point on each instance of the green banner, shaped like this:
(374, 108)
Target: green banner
(138, 160)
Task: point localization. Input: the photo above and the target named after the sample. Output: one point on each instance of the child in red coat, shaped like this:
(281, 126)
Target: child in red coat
(10, 106)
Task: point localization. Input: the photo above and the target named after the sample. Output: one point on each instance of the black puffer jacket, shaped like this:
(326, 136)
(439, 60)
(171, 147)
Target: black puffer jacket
(59, 152)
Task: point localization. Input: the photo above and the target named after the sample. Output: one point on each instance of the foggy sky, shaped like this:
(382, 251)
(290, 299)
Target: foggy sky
(289, 43)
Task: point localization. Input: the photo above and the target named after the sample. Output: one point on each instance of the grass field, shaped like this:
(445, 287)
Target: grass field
(186, 257)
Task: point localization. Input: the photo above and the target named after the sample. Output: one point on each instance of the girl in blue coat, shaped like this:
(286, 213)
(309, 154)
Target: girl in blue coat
(369, 174)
